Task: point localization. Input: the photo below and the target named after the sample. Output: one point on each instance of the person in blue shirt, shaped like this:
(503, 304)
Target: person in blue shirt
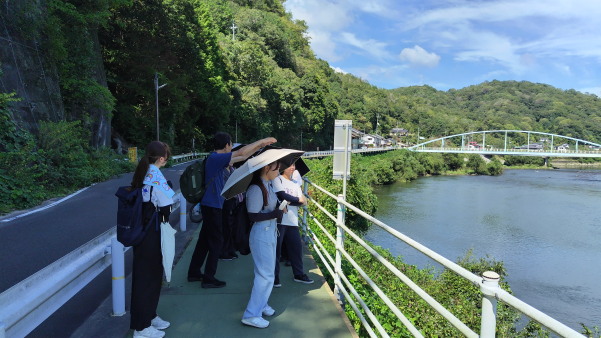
(210, 239)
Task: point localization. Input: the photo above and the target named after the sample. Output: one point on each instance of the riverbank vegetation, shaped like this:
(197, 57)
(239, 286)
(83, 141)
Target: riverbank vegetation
(455, 293)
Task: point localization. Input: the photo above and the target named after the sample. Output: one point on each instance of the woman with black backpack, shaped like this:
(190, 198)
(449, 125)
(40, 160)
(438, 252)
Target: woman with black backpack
(147, 271)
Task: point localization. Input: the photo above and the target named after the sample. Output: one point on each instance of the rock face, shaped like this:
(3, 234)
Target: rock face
(27, 71)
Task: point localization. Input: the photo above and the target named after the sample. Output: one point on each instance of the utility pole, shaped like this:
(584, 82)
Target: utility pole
(233, 28)
(156, 88)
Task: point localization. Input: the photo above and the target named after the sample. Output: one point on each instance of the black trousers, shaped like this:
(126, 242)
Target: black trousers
(229, 227)
(289, 235)
(210, 242)
(147, 278)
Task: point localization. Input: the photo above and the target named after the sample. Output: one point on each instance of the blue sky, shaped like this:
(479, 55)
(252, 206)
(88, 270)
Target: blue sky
(455, 43)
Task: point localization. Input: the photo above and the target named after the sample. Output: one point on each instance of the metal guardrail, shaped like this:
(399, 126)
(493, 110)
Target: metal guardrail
(514, 152)
(187, 157)
(308, 154)
(324, 153)
(488, 283)
(27, 304)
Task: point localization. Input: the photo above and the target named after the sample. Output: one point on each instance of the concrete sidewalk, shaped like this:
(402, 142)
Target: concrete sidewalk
(302, 310)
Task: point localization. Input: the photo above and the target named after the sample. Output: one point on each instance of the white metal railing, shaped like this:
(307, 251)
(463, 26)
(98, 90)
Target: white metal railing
(27, 304)
(308, 154)
(488, 283)
(315, 154)
(516, 152)
(187, 157)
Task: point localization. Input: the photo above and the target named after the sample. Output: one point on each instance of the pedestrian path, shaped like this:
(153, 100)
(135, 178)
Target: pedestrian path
(302, 310)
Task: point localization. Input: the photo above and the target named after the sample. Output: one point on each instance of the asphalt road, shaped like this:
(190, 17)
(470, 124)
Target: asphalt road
(31, 242)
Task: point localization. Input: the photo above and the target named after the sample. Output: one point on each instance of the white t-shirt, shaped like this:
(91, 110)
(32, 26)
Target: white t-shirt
(281, 183)
(297, 178)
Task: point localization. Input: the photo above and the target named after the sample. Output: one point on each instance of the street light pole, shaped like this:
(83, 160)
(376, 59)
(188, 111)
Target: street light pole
(156, 89)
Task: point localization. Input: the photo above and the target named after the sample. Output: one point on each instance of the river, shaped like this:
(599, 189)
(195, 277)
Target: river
(544, 225)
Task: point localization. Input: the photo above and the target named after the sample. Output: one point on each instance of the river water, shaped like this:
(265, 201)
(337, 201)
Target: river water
(544, 225)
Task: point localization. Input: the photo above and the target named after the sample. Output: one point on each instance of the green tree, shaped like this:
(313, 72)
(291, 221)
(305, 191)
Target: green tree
(476, 164)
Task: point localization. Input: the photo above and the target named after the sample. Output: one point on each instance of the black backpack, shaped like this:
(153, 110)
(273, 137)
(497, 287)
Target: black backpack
(192, 181)
(133, 215)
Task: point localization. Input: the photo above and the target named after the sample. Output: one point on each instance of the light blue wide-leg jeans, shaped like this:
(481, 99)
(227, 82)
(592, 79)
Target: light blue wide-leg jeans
(263, 241)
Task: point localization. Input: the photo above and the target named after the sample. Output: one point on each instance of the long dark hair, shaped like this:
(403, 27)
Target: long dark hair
(154, 151)
(256, 180)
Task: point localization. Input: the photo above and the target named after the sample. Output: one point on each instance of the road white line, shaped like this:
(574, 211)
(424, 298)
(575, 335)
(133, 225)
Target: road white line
(45, 207)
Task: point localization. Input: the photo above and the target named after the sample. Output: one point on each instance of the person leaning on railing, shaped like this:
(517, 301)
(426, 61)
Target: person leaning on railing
(288, 190)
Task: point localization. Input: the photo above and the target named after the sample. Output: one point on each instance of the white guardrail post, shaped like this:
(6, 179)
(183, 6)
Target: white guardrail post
(339, 246)
(489, 288)
(183, 212)
(305, 211)
(118, 272)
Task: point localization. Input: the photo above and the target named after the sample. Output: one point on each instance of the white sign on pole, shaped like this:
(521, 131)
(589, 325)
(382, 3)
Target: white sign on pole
(342, 148)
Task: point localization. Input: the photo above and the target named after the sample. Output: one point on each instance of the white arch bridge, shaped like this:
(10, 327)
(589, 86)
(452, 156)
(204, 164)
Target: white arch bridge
(511, 142)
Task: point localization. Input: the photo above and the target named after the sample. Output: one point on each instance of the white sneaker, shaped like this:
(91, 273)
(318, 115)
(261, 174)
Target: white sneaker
(268, 311)
(149, 332)
(256, 322)
(159, 324)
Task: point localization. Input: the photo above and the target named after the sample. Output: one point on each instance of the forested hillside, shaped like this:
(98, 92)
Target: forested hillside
(260, 78)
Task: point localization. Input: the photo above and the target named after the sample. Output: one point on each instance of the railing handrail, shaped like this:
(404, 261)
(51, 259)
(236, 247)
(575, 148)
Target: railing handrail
(29, 302)
(495, 292)
(512, 151)
(187, 156)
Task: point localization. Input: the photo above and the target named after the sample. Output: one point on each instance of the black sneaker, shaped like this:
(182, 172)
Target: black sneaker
(226, 258)
(276, 283)
(303, 279)
(195, 278)
(212, 284)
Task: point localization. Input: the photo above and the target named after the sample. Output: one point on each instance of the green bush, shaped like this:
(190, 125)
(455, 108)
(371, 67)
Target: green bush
(61, 162)
(524, 160)
(476, 164)
(494, 167)
(453, 161)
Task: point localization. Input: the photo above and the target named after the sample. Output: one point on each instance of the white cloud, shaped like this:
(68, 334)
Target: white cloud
(372, 47)
(419, 57)
(515, 34)
(338, 70)
(592, 90)
(323, 46)
(552, 41)
(327, 18)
